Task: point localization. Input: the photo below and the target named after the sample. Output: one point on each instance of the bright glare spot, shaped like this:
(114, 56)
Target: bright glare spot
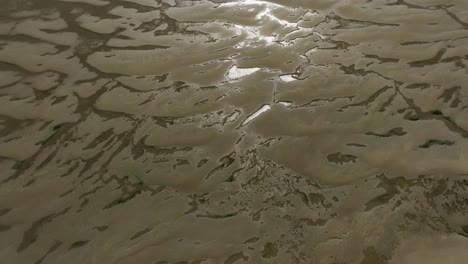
(237, 73)
(251, 117)
(287, 104)
(287, 78)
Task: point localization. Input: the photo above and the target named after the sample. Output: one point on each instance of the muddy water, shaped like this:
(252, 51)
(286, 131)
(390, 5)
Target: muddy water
(172, 131)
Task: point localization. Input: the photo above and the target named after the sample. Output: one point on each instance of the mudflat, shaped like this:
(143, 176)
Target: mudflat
(248, 131)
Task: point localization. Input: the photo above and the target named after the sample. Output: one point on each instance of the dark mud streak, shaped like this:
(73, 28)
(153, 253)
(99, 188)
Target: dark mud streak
(4, 228)
(270, 250)
(225, 161)
(53, 248)
(433, 142)
(217, 216)
(141, 233)
(371, 256)
(418, 86)
(67, 193)
(48, 159)
(434, 60)
(341, 158)
(418, 114)
(381, 59)
(393, 132)
(370, 100)
(94, 190)
(404, 3)
(354, 23)
(101, 228)
(235, 258)
(5, 211)
(78, 244)
(31, 235)
(453, 95)
(82, 205)
(122, 200)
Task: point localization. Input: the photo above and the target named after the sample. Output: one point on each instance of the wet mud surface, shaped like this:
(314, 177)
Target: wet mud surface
(199, 132)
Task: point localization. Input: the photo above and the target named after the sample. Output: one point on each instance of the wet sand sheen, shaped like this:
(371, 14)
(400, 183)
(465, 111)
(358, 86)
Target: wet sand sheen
(173, 131)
